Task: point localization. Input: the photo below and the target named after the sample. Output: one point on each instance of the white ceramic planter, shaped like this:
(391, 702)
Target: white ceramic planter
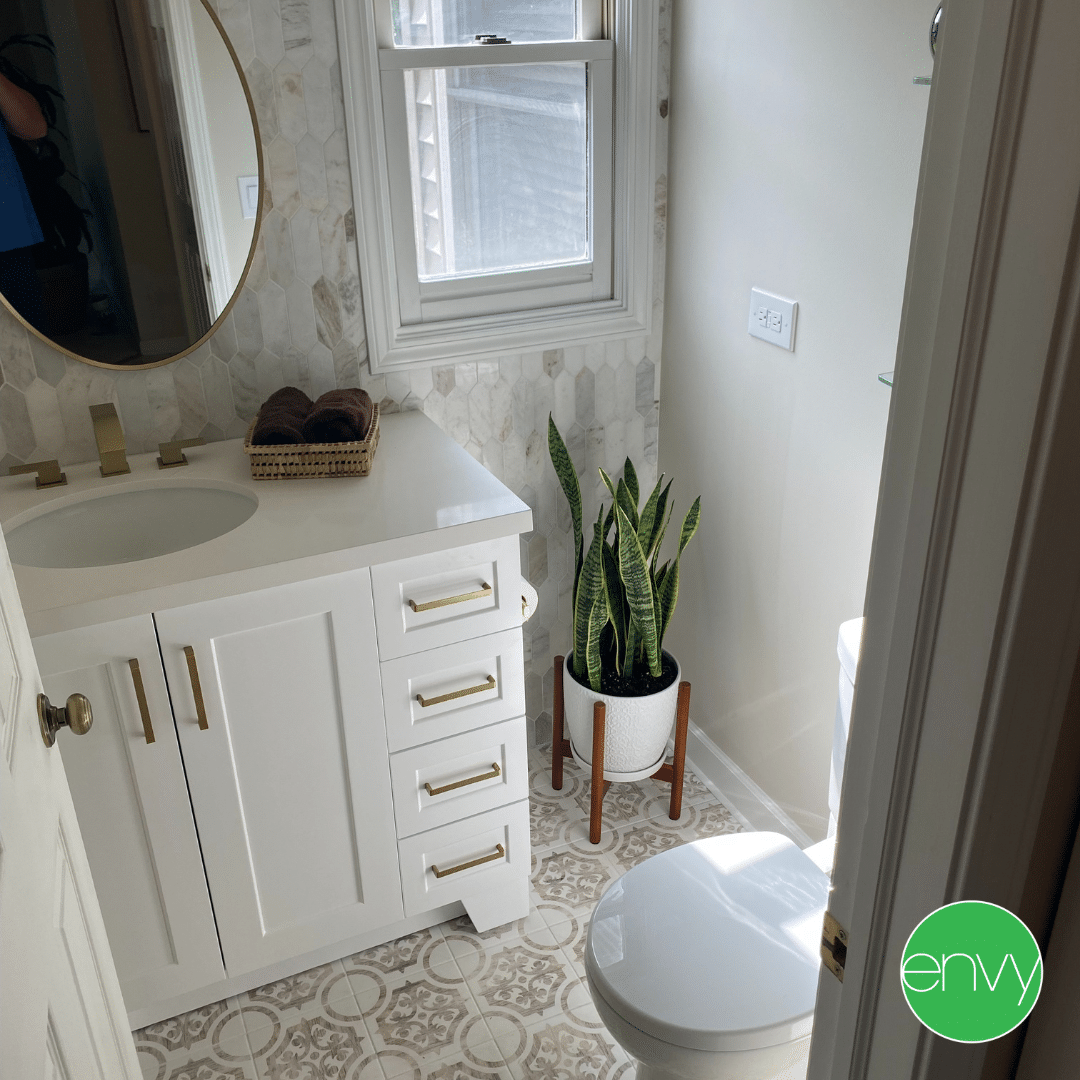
(636, 729)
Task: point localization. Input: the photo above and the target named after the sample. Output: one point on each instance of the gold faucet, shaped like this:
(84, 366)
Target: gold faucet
(110, 439)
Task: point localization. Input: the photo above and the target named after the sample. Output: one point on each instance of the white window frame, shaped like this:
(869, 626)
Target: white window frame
(412, 324)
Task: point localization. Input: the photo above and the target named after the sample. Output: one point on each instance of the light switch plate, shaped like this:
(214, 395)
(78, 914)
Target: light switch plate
(772, 318)
(249, 195)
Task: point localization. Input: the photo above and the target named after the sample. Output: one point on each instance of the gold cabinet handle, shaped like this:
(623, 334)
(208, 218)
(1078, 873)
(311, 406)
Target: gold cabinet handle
(426, 703)
(140, 696)
(461, 598)
(196, 687)
(498, 853)
(495, 771)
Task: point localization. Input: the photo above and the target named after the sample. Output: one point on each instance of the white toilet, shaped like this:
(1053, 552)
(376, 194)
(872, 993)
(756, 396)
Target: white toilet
(703, 961)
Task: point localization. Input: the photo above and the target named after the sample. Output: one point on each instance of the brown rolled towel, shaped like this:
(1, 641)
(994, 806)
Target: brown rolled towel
(276, 427)
(339, 416)
(291, 398)
(281, 418)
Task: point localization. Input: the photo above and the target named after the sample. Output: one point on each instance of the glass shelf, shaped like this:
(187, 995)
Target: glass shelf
(886, 377)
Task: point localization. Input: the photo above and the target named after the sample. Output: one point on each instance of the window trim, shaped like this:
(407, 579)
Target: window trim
(394, 344)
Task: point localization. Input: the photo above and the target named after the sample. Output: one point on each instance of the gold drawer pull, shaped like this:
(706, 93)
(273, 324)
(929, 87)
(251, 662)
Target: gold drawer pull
(495, 771)
(426, 703)
(196, 687)
(479, 594)
(498, 853)
(140, 696)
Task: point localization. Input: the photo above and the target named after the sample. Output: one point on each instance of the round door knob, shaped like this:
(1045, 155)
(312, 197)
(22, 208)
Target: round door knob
(76, 715)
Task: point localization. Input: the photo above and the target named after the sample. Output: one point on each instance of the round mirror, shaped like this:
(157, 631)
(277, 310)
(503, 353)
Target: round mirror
(129, 175)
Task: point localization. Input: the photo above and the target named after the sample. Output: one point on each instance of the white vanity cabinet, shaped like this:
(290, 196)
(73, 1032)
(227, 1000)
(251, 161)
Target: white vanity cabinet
(289, 777)
(134, 813)
(300, 796)
(309, 733)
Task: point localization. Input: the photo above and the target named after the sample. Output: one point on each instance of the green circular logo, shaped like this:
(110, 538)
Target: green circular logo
(971, 971)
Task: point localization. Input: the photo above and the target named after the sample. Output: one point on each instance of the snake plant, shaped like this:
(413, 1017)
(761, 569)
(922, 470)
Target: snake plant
(623, 597)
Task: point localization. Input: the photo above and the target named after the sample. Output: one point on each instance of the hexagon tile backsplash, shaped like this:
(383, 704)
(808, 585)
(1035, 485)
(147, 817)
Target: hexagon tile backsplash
(299, 320)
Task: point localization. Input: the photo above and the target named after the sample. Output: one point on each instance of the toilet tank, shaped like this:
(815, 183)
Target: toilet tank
(848, 646)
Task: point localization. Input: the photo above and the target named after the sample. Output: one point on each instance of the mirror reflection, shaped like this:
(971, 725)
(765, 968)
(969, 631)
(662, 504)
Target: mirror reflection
(129, 174)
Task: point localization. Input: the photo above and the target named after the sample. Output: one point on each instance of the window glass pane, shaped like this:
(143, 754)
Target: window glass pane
(499, 167)
(457, 22)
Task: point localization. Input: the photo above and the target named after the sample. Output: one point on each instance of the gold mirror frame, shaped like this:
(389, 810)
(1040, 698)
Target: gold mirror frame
(247, 265)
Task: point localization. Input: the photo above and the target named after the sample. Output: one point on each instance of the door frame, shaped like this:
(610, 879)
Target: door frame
(973, 599)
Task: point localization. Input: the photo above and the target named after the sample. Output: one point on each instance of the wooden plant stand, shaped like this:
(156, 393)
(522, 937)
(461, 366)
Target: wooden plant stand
(560, 749)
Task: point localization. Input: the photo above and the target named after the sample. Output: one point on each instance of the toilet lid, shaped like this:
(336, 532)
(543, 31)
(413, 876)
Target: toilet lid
(713, 945)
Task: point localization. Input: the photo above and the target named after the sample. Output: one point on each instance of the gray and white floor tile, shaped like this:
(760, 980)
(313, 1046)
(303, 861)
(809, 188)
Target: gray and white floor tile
(448, 1002)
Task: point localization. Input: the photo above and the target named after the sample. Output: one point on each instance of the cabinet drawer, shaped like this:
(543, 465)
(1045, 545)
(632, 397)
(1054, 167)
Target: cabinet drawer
(463, 686)
(449, 768)
(446, 596)
(459, 844)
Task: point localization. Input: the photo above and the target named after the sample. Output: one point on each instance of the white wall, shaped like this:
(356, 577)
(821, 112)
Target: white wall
(795, 134)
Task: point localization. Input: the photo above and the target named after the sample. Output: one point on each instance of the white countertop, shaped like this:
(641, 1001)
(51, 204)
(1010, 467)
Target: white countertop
(425, 493)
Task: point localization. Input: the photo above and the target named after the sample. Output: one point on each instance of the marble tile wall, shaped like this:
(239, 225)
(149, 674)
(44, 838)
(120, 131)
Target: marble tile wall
(299, 320)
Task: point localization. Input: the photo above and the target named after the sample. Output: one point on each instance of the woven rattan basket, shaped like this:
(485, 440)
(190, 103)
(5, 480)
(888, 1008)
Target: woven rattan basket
(313, 459)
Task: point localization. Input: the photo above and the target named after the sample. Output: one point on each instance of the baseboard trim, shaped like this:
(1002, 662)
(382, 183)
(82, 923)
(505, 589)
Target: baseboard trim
(747, 801)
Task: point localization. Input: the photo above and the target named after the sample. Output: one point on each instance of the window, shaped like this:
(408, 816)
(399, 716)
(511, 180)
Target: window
(504, 188)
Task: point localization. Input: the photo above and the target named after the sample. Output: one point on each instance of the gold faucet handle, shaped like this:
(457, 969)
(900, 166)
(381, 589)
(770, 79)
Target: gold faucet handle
(109, 436)
(172, 453)
(48, 472)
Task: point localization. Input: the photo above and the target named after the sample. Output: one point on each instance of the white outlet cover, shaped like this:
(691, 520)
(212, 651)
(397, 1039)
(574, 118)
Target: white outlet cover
(772, 318)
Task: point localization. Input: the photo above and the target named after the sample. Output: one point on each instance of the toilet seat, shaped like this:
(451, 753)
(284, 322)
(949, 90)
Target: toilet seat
(714, 945)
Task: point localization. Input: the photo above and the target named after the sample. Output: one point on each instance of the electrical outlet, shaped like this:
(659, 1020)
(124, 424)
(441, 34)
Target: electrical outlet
(772, 318)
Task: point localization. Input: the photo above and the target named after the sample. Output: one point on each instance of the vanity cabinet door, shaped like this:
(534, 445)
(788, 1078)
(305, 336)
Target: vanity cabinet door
(133, 809)
(288, 771)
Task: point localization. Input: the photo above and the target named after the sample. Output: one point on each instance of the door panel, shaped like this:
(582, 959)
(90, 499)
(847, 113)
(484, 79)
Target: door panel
(290, 778)
(61, 1012)
(134, 811)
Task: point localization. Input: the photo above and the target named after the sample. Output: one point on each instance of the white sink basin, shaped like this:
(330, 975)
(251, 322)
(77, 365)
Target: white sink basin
(128, 525)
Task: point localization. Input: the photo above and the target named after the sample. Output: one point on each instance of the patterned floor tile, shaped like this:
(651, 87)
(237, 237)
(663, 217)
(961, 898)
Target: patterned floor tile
(416, 1021)
(449, 1002)
(564, 1050)
(219, 1059)
(208, 1042)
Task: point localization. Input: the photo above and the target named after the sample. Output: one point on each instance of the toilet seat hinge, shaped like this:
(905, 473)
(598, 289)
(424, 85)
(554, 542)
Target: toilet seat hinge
(834, 946)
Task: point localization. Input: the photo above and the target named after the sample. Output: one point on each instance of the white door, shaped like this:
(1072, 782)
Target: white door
(61, 1013)
(279, 711)
(127, 783)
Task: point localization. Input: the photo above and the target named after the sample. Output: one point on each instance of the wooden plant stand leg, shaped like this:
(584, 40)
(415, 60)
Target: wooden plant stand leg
(678, 761)
(596, 809)
(557, 728)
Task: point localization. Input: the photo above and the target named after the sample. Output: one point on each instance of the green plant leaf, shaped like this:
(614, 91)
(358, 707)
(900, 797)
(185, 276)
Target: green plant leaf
(608, 481)
(626, 504)
(564, 470)
(667, 593)
(630, 476)
(616, 604)
(690, 524)
(633, 644)
(587, 625)
(647, 524)
(634, 571)
(660, 537)
(658, 524)
(609, 521)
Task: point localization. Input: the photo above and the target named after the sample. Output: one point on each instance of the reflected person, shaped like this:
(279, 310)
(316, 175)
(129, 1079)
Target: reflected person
(19, 227)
